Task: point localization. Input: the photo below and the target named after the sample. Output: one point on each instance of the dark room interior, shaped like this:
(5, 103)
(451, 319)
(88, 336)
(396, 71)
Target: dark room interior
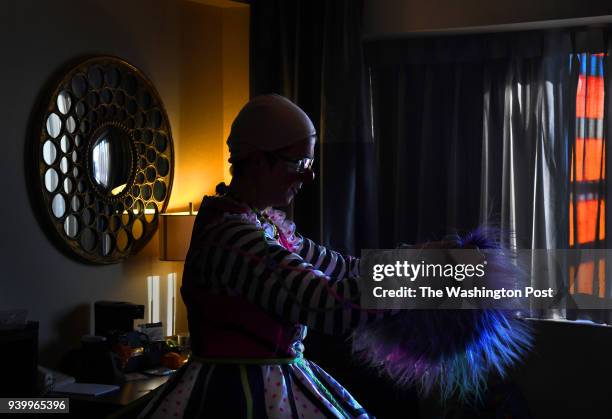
(429, 125)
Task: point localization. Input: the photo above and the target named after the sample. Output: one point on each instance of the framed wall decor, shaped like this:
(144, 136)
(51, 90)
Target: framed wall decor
(105, 159)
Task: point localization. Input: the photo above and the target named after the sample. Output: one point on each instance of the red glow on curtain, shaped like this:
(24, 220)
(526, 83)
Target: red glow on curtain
(586, 214)
(590, 155)
(590, 97)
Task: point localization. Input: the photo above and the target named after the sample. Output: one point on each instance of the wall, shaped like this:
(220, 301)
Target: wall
(235, 71)
(179, 45)
(392, 17)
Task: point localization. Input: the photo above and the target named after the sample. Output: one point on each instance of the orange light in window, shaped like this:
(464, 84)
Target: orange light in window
(590, 97)
(581, 282)
(589, 161)
(587, 221)
(583, 278)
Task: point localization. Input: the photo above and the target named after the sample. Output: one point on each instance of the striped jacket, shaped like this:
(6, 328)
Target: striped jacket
(311, 285)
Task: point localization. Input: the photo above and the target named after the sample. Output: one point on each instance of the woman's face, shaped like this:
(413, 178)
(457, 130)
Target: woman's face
(281, 173)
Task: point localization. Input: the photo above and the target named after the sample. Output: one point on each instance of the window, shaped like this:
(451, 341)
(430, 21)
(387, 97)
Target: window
(587, 202)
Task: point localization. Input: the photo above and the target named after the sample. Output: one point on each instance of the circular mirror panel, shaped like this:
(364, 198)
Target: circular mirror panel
(112, 77)
(51, 180)
(89, 240)
(49, 152)
(80, 109)
(111, 159)
(159, 191)
(138, 208)
(161, 142)
(64, 165)
(115, 223)
(163, 166)
(79, 85)
(137, 229)
(106, 244)
(58, 206)
(68, 185)
(105, 160)
(54, 125)
(122, 240)
(70, 124)
(95, 77)
(150, 212)
(75, 203)
(88, 216)
(64, 102)
(71, 226)
(65, 143)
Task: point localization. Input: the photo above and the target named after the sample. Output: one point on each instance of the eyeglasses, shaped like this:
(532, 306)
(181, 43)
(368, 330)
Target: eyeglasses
(296, 165)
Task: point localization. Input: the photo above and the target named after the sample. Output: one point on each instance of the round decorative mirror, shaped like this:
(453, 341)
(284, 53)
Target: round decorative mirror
(105, 160)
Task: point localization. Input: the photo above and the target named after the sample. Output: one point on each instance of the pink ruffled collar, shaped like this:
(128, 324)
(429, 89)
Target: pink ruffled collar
(286, 229)
(275, 225)
(273, 222)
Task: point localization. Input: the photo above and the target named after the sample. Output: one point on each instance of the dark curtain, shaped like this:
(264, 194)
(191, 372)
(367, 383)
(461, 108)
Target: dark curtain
(466, 128)
(428, 136)
(311, 52)
(487, 129)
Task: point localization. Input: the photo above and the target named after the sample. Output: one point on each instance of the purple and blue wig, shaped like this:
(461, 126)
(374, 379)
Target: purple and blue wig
(451, 351)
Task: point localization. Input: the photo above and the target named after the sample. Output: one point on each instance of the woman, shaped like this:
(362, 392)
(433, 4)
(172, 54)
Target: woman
(252, 284)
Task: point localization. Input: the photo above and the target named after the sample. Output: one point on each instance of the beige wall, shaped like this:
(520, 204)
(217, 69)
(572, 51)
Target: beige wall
(214, 86)
(200, 147)
(389, 17)
(235, 71)
(181, 46)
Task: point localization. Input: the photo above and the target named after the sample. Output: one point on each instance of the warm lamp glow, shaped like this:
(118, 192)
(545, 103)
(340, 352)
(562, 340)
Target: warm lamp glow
(175, 234)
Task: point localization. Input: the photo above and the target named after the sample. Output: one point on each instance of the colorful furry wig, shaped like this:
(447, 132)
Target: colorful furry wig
(453, 350)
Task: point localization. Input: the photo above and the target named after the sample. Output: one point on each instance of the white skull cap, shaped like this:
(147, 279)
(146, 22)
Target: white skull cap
(267, 123)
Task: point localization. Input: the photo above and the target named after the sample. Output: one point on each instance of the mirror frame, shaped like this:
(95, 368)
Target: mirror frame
(103, 91)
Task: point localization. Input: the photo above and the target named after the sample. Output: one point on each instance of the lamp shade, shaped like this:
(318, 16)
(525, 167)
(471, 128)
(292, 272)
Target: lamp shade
(174, 235)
